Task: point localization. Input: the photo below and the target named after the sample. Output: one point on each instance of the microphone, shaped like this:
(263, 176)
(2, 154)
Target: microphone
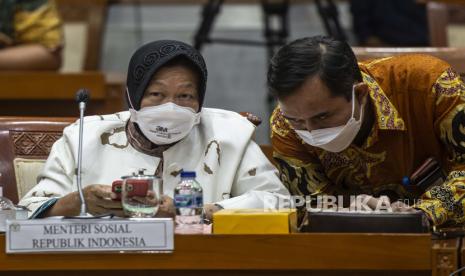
(82, 96)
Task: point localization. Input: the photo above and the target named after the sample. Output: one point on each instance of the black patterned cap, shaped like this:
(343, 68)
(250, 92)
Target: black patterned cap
(151, 57)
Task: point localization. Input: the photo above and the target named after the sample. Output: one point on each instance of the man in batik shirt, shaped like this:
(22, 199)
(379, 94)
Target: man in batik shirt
(31, 35)
(343, 128)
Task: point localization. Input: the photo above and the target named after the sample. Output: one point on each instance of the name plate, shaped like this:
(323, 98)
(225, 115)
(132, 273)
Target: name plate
(89, 235)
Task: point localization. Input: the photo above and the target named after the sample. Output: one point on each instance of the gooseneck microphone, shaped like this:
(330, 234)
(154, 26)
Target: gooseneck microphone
(82, 96)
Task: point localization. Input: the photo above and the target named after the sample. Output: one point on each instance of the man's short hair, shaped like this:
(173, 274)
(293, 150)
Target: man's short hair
(333, 61)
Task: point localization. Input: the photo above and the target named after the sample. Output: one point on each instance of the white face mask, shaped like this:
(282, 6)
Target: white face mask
(165, 124)
(334, 139)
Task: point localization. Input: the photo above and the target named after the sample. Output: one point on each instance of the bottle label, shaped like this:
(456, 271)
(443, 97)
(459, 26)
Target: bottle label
(188, 201)
(199, 200)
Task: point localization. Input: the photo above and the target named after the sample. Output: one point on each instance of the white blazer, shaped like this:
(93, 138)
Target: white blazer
(230, 166)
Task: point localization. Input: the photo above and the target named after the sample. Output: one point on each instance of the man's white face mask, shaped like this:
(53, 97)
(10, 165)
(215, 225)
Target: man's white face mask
(165, 124)
(334, 139)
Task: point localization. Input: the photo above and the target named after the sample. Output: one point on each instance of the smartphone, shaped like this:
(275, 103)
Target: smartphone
(134, 187)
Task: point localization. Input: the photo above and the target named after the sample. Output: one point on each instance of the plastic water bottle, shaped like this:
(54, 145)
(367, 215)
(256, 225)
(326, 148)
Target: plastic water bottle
(188, 200)
(7, 210)
(5, 203)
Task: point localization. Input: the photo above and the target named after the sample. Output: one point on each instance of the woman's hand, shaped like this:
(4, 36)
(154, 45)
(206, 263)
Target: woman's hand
(166, 209)
(98, 200)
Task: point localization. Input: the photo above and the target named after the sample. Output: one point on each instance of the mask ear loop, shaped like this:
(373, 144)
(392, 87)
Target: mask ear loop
(129, 98)
(133, 115)
(353, 101)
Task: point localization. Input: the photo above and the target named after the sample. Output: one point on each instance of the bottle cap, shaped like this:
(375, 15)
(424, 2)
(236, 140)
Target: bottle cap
(406, 181)
(187, 174)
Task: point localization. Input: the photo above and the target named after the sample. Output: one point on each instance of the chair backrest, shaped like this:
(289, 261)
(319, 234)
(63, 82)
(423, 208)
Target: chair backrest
(445, 22)
(22, 139)
(454, 56)
(84, 25)
(438, 16)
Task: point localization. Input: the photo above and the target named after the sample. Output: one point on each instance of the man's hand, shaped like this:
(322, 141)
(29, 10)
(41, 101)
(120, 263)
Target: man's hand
(401, 207)
(370, 203)
(382, 203)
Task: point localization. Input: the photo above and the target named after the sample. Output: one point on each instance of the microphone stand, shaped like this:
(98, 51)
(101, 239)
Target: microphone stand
(81, 96)
(83, 210)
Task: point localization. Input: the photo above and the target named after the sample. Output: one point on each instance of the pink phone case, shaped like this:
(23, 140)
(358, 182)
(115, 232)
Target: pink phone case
(134, 188)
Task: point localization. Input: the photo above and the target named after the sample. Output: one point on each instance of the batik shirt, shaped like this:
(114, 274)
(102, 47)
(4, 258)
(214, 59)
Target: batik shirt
(419, 103)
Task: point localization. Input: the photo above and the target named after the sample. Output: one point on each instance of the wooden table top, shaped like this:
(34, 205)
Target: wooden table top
(316, 251)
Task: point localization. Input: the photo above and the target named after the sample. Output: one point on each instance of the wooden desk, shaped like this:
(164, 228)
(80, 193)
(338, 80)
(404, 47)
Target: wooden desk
(462, 254)
(321, 254)
(53, 94)
(445, 256)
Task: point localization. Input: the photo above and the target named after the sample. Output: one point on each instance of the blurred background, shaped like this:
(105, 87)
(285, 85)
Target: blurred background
(236, 37)
(237, 73)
